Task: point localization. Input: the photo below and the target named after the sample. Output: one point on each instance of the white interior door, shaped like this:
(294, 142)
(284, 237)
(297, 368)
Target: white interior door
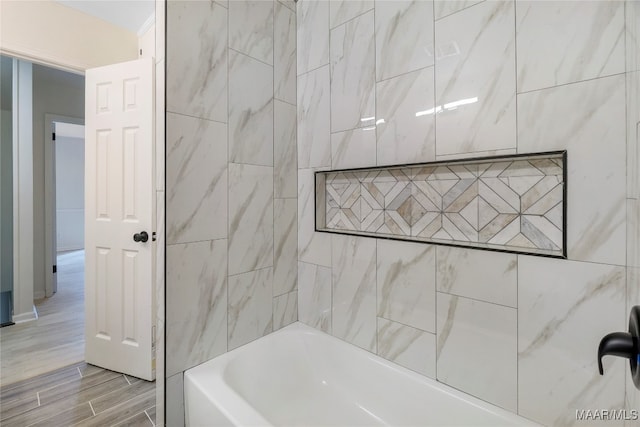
(119, 201)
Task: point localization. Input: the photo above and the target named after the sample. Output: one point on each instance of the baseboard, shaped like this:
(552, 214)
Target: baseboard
(26, 317)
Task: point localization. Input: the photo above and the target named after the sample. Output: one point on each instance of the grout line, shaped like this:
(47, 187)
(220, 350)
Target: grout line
(78, 368)
(147, 414)
(477, 299)
(454, 12)
(375, 134)
(311, 71)
(249, 56)
(283, 101)
(92, 410)
(195, 241)
(348, 20)
(38, 396)
(435, 94)
(227, 154)
(405, 325)
(405, 73)
(570, 83)
(517, 335)
(176, 113)
(273, 162)
(126, 379)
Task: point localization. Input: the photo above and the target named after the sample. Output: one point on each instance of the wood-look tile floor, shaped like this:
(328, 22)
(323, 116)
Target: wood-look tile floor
(56, 338)
(43, 379)
(78, 395)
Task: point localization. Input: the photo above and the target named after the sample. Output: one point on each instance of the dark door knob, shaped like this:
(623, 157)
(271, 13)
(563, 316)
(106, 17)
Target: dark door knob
(141, 237)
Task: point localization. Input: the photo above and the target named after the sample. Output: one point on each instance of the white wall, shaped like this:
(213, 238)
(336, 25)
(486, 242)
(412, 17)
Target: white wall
(60, 93)
(45, 31)
(23, 267)
(147, 43)
(69, 193)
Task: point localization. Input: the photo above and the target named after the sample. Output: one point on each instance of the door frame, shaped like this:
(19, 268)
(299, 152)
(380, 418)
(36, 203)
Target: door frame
(50, 239)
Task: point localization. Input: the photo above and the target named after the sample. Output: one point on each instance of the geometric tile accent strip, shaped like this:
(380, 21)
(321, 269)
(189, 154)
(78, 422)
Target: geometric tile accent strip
(504, 203)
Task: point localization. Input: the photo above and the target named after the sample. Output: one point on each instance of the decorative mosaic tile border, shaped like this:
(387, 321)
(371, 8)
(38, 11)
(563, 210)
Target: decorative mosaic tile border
(506, 203)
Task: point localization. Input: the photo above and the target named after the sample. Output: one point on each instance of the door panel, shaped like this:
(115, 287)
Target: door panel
(119, 200)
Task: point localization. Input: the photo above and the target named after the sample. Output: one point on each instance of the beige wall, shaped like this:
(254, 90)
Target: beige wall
(45, 31)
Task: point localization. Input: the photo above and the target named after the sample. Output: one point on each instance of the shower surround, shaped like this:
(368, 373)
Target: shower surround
(231, 256)
(395, 82)
(488, 78)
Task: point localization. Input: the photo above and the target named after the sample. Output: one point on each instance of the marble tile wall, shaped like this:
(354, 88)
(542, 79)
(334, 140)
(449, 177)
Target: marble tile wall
(231, 180)
(460, 79)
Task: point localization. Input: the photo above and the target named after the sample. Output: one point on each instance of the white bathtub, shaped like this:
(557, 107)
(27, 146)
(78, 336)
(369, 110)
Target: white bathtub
(299, 376)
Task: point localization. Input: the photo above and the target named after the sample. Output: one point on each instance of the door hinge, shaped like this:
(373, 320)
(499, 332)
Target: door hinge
(55, 269)
(53, 136)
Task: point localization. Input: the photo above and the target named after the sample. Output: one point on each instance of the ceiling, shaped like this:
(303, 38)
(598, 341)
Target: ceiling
(129, 14)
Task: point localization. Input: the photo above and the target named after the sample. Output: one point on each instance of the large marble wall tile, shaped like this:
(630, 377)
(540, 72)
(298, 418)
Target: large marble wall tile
(312, 35)
(405, 119)
(633, 132)
(175, 401)
(404, 36)
(353, 74)
(477, 349)
(633, 233)
(159, 301)
(197, 66)
(250, 110)
(251, 29)
(475, 79)
(314, 296)
(285, 246)
(564, 309)
(250, 217)
(285, 310)
(250, 306)
(443, 8)
(547, 56)
(353, 148)
(406, 281)
(483, 275)
(284, 54)
(341, 11)
(196, 179)
(579, 117)
(410, 347)
(313, 247)
(632, 35)
(285, 171)
(314, 116)
(196, 318)
(633, 298)
(354, 290)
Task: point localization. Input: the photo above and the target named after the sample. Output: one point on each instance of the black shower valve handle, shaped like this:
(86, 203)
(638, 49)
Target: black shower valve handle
(624, 344)
(620, 344)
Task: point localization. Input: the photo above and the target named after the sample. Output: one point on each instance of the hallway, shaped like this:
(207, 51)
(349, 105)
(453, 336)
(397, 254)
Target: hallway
(44, 380)
(56, 338)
